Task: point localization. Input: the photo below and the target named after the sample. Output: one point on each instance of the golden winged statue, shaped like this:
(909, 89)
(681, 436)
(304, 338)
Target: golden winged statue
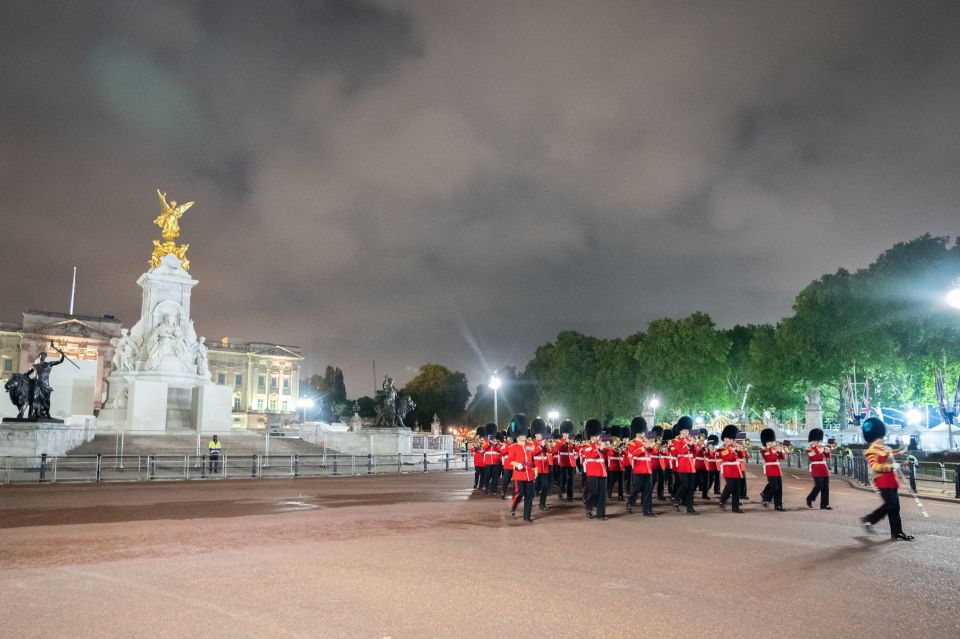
(169, 223)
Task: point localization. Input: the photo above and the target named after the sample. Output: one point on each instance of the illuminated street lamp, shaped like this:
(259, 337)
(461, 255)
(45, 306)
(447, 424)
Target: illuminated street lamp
(305, 403)
(553, 416)
(914, 417)
(953, 297)
(654, 404)
(495, 386)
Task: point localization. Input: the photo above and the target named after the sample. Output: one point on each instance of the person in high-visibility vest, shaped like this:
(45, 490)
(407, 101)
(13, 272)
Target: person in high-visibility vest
(213, 448)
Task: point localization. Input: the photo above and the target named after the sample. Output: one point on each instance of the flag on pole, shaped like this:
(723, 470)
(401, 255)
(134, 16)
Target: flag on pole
(851, 399)
(947, 414)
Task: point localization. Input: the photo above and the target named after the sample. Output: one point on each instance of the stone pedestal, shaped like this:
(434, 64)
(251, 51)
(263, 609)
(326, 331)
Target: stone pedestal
(211, 408)
(73, 389)
(146, 406)
(814, 411)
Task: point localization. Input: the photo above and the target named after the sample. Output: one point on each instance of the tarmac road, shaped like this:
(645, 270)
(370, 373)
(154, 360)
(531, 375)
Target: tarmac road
(423, 556)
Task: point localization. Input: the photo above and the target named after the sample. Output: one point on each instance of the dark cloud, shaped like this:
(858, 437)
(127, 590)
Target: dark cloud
(457, 182)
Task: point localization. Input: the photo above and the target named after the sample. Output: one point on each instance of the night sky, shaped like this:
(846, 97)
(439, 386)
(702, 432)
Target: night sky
(458, 182)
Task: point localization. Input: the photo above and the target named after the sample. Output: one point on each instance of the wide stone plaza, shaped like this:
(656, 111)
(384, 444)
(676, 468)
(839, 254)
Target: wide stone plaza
(422, 555)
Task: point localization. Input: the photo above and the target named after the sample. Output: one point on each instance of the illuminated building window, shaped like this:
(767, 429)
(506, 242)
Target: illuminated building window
(236, 402)
(238, 380)
(259, 403)
(7, 365)
(221, 378)
(261, 382)
(273, 404)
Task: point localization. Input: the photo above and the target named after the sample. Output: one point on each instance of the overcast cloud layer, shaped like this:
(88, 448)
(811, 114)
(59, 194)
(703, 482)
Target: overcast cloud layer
(457, 182)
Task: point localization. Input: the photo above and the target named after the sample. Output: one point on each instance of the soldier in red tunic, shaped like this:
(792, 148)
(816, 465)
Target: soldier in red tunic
(542, 459)
(595, 467)
(638, 453)
(680, 448)
(491, 459)
(729, 459)
(700, 464)
(818, 456)
(477, 450)
(614, 459)
(656, 477)
(566, 458)
(880, 459)
(772, 454)
(519, 460)
(713, 464)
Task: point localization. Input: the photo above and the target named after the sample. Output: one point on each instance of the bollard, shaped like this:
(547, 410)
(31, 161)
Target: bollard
(334, 464)
(399, 463)
(956, 480)
(151, 466)
(466, 462)
(913, 476)
(203, 466)
(253, 466)
(43, 468)
(424, 462)
(296, 465)
(98, 467)
(369, 464)
(446, 462)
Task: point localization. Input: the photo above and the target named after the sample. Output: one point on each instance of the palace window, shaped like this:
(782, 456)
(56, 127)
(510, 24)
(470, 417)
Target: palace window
(273, 404)
(284, 405)
(238, 380)
(261, 382)
(286, 385)
(273, 383)
(236, 402)
(7, 365)
(259, 403)
(221, 378)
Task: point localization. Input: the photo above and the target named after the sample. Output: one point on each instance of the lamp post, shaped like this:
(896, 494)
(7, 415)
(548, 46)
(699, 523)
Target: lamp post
(305, 403)
(553, 416)
(495, 386)
(654, 404)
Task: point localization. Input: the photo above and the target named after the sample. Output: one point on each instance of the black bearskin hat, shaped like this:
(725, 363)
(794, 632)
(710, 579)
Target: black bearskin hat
(638, 426)
(657, 431)
(873, 428)
(667, 435)
(566, 427)
(518, 426)
(713, 439)
(816, 435)
(703, 432)
(490, 430)
(767, 435)
(579, 437)
(501, 436)
(539, 427)
(593, 427)
(729, 432)
(556, 433)
(684, 423)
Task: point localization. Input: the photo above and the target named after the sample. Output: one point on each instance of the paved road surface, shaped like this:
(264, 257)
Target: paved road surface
(422, 556)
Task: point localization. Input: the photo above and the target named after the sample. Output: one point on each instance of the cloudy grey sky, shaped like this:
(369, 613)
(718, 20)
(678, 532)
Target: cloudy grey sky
(456, 182)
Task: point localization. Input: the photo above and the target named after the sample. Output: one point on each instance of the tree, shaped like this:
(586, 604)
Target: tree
(564, 372)
(330, 385)
(437, 390)
(685, 363)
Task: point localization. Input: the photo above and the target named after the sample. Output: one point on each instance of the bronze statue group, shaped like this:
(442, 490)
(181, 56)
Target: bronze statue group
(660, 464)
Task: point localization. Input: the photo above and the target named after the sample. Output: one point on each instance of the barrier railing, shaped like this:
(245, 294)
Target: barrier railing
(115, 468)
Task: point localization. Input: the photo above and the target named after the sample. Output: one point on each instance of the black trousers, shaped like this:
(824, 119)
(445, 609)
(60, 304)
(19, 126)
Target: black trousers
(597, 500)
(731, 488)
(214, 463)
(524, 491)
(890, 509)
(566, 481)
(713, 479)
(703, 483)
(615, 479)
(477, 476)
(507, 479)
(543, 488)
(657, 478)
(683, 490)
(670, 477)
(627, 478)
(642, 486)
(821, 486)
(743, 487)
(493, 478)
(773, 491)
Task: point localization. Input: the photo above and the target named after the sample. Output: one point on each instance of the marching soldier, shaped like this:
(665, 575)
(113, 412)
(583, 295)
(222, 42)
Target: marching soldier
(713, 465)
(656, 477)
(567, 458)
(614, 465)
(700, 464)
(595, 469)
(880, 458)
(491, 459)
(543, 460)
(772, 455)
(507, 470)
(818, 456)
(519, 461)
(476, 449)
(680, 448)
(639, 452)
(730, 468)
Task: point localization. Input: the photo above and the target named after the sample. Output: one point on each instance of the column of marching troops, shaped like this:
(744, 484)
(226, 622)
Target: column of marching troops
(667, 464)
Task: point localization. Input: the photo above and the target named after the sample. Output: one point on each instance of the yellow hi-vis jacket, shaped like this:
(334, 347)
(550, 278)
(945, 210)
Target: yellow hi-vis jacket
(214, 447)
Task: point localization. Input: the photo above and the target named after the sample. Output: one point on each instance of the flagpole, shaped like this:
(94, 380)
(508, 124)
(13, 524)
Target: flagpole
(73, 289)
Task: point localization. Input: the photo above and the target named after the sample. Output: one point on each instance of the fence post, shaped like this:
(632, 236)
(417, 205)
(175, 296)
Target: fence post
(399, 463)
(296, 465)
(466, 461)
(424, 462)
(43, 468)
(151, 466)
(369, 464)
(866, 473)
(913, 476)
(98, 467)
(335, 464)
(446, 461)
(253, 465)
(203, 466)
(956, 480)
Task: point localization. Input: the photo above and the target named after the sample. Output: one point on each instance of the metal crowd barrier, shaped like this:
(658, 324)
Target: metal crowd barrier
(116, 468)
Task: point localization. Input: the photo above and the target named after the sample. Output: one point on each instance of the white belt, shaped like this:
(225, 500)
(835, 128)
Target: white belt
(593, 459)
(776, 463)
(564, 454)
(615, 458)
(818, 462)
(736, 463)
(654, 456)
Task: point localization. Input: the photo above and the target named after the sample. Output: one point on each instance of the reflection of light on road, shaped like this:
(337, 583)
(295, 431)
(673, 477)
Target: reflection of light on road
(289, 506)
